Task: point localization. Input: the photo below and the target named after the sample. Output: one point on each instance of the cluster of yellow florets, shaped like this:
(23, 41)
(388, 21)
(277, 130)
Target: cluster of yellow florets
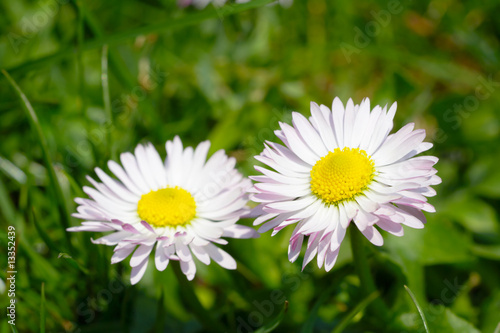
(341, 175)
(171, 206)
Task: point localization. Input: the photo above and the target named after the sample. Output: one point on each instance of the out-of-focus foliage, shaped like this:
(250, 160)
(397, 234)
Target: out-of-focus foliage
(230, 78)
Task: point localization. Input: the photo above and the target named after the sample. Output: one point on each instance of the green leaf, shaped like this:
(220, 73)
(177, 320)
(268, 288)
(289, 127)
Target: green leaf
(42, 309)
(270, 326)
(473, 213)
(440, 242)
(420, 312)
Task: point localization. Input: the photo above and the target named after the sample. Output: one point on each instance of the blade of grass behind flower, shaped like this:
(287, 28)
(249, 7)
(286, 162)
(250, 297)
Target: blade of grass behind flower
(12, 171)
(420, 312)
(35, 125)
(42, 310)
(358, 308)
(13, 328)
(116, 63)
(73, 262)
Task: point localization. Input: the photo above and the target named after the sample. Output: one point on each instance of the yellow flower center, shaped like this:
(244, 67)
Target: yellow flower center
(341, 175)
(171, 206)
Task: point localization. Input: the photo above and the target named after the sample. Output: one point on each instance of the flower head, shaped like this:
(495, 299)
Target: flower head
(338, 167)
(180, 207)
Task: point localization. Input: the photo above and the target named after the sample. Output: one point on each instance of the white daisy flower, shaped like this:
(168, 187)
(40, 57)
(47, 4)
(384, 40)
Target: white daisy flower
(339, 166)
(180, 207)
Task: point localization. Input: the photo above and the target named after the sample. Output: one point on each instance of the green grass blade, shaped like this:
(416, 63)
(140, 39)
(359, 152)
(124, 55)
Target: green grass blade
(116, 63)
(13, 328)
(358, 308)
(269, 327)
(42, 310)
(73, 262)
(12, 171)
(184, 21)
(420, 312)
(35, 125)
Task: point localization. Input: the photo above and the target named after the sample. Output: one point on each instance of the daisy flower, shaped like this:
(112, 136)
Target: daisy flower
(338, 167)
(179, 208)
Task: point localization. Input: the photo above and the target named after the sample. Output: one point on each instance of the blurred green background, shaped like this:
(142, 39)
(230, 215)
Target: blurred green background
(229, 75)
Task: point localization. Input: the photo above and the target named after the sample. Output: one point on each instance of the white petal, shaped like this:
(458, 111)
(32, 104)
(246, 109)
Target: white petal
(373, 235)
(144, 167)
(134, 173)
(161, 258)
(309, 134)
(324, 126)
(116, 187)
(294, 248)
(298, 146)
(138, 272)
(140, 254)
(200, 253)
(331, 258)
(338, 121)
(189, 269)
(221, 257)
(240, 231)
(124, 178)
(122, 253)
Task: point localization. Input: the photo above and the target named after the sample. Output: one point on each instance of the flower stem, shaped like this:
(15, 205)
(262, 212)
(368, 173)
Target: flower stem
(195, 307)
(363, 269)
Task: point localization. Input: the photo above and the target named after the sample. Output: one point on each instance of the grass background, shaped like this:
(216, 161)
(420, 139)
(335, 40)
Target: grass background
(229, 75)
